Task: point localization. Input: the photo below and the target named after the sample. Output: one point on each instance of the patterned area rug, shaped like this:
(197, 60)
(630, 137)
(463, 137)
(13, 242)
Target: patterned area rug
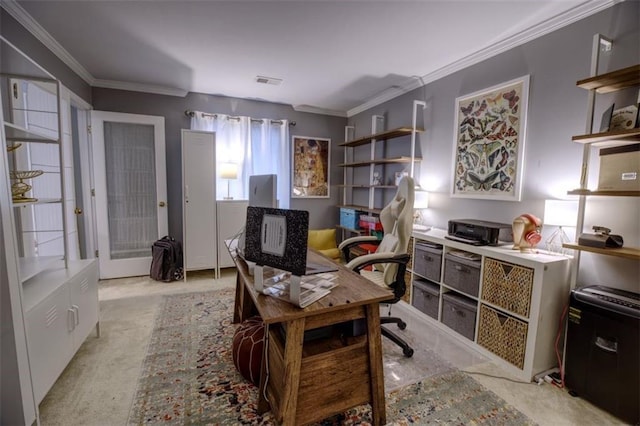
(188, 377)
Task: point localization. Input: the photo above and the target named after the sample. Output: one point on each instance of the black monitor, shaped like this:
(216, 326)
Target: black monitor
(263, 191)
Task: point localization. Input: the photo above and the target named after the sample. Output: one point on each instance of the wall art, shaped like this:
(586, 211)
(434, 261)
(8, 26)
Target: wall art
(310, 175)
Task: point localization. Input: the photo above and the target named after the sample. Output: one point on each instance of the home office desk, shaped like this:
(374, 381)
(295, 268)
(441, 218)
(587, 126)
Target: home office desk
(311, 380)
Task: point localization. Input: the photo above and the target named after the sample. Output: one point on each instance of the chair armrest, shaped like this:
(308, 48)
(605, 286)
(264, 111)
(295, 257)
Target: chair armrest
(374, 258)
(358, 240)
(345, 246)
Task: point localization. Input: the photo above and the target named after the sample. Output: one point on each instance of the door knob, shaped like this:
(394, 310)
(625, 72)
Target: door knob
(162, 204)
(78, 211)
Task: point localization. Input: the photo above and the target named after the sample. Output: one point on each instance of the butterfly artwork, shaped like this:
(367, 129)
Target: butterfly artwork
(490, 142)
(482, 183)
(513, 100)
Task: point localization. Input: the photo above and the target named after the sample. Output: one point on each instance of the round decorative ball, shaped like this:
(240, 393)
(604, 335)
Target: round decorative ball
(248, 342)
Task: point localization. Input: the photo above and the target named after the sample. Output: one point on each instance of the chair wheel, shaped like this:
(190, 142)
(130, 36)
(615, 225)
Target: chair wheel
(408, 352)
(402, 325)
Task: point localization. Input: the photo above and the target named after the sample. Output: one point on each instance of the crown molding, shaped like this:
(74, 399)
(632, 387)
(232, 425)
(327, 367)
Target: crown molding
(576, 14)
(316, 110)
(139, 87)
(31, 25)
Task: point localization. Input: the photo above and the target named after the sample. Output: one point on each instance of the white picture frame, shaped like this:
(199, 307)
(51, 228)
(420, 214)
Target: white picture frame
(489, 140)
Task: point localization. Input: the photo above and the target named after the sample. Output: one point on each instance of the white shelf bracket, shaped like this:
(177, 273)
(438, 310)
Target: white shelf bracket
(414, 124)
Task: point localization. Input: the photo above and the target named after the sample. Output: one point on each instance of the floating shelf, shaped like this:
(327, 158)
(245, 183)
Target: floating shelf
(605, 193)
(616, 137)
(397, 160)
(359, 208)
(612, 81)
(625, 252)
(389, 134)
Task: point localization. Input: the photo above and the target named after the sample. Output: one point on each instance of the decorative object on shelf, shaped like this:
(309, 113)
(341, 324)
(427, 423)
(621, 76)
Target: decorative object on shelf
(624, 118)
(620, 168)
(605, 122)
(560, 213)
(311, 165)
(490, 126)
(18, 189)
(526, 232)
(229, 171)
(421, 201)
(602, 238)
(377, 179)
(398, 176)
(13, 147)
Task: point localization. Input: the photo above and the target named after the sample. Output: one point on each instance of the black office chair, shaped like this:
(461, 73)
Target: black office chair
(389, 262)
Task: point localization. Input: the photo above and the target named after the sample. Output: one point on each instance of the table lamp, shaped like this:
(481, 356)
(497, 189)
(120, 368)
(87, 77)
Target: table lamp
(228, 171)
(420, 202)
(560, 213)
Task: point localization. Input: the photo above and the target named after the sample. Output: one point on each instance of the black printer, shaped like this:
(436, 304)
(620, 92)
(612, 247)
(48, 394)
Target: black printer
(479, 232)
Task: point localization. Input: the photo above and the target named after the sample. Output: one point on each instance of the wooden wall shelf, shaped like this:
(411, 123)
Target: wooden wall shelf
(626, 252)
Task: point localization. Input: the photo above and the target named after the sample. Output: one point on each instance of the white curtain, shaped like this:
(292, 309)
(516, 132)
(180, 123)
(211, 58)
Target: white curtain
(257, 146)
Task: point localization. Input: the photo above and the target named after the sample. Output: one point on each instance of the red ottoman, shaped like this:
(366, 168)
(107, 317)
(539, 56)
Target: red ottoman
(248, 342)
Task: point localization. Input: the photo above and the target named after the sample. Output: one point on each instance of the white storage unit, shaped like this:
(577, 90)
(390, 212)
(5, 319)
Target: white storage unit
(232, 215)
(518, 304)
(53, 297)
(200, 243)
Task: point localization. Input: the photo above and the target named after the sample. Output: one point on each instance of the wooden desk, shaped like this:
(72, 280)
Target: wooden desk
(310, 381)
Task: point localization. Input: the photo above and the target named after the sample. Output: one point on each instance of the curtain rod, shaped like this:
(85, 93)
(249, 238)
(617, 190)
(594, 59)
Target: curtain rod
(190, 113)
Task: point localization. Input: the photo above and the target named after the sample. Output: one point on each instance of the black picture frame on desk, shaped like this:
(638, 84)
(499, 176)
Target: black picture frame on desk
(605, 122)
(294, 229)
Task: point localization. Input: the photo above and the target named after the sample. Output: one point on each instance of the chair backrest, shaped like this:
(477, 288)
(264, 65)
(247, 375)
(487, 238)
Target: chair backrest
(397, 224)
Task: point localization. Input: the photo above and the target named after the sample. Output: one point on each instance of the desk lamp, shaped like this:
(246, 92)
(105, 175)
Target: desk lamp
(229, 171)
(560, 213)
(421, 202)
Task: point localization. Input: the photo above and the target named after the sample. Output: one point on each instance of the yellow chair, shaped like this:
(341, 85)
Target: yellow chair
(324, 240)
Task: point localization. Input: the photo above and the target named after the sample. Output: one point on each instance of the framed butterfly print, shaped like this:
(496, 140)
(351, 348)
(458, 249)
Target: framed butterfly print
(489, 129)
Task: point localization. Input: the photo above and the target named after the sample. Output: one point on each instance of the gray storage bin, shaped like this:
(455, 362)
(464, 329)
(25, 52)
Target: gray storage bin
(427, 261)
(459, 314)
(426, 297)
(462, 274)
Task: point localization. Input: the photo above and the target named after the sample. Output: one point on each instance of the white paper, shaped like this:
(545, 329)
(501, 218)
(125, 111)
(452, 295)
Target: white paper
(273, 235)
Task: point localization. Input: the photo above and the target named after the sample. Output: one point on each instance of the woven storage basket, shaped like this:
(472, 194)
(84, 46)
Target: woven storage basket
(508, 286)
(407, 282)
(503, 335)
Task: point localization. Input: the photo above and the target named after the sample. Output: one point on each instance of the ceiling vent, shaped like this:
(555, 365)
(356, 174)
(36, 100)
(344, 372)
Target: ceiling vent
(268, 80)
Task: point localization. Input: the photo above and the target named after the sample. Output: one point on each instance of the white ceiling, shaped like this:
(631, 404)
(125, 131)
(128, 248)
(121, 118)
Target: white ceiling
(336, 57)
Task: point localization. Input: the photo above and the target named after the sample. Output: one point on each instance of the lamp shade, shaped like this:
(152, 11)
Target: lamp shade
(560, 212)
(228, 170)
(421, 200)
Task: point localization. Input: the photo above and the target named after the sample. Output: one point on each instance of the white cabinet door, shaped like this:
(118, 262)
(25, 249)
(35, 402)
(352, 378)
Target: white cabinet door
(199, 200)
(232, 215)
(49, 332)
(83, 289)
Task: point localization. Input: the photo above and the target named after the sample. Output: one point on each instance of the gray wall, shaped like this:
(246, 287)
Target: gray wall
(557, 111)
(17, 35)
(322, 211)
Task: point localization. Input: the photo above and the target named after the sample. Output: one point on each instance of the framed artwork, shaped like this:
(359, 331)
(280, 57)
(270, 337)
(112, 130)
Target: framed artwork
(489, 131)
(310, 167)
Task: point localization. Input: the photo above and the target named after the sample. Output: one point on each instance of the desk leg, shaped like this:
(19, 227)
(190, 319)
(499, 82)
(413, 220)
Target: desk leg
(237, 305)
(376, 371)
(263, 403)
(292, 363)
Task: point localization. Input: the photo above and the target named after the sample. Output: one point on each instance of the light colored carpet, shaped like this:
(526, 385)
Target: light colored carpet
(188, 377)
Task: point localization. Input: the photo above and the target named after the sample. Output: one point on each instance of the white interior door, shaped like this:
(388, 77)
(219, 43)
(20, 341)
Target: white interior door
(130, 190)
